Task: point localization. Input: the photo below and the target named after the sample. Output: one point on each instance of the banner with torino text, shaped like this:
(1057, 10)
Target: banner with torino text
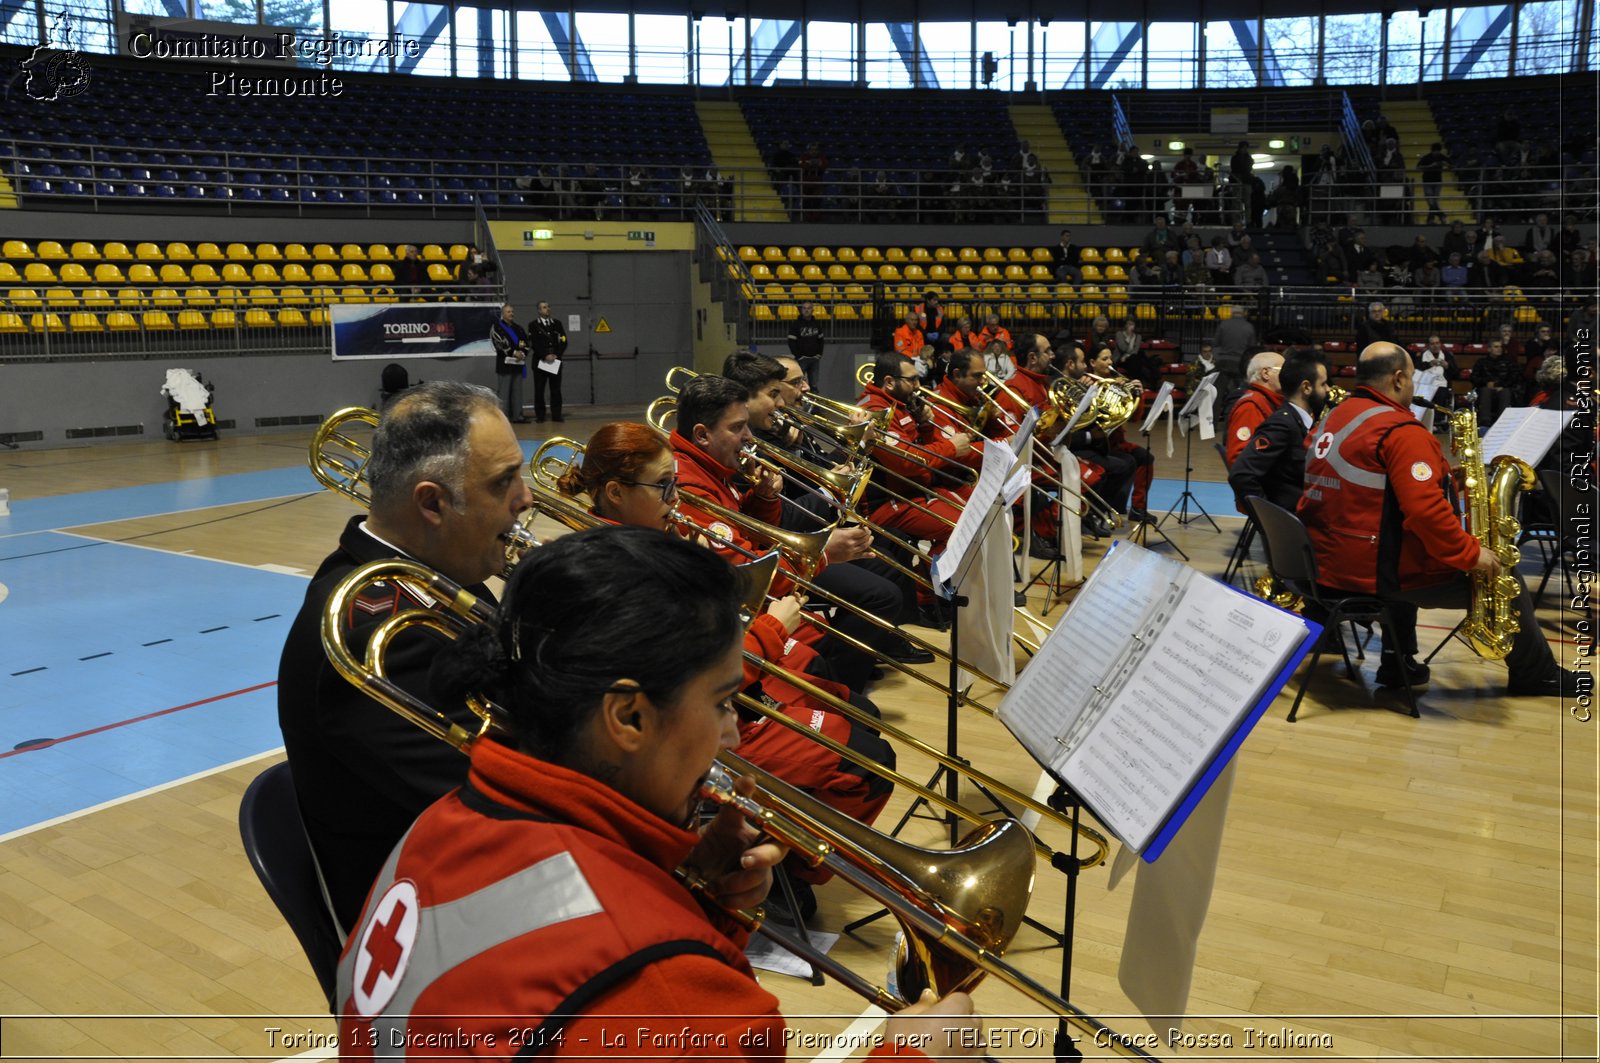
(393, 331)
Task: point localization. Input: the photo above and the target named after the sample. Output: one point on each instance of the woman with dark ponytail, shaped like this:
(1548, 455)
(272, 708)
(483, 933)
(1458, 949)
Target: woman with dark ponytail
(628, 475)
(537, 902)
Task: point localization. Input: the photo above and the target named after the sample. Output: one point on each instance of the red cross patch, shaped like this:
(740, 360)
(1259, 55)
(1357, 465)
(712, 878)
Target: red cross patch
(1324, 444)
(385, 948)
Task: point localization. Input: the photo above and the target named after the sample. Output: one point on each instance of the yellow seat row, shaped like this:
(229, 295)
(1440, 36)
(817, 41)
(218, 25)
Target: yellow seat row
(205, 273)
(970, 256)
(65, 300)
(84, 251)
(933, 274)
(161, 320)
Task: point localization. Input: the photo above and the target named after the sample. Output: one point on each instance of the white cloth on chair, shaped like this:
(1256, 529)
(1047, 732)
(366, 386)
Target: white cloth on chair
(191, 396)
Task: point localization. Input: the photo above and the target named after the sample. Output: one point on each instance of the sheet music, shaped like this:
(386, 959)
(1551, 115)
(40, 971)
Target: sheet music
(1017, 484)
(1024, 433)
(553, 368)
(1213, 655)
(1425, 383)
(1162, 403)
(997, 465)
(1201, 408)
(1112, 603)
(1525, 432)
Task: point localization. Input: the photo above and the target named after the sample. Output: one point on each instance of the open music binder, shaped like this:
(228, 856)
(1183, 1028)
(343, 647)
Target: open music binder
(1147, 686)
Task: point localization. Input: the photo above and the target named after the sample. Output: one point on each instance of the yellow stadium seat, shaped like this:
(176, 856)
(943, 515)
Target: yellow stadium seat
(352, 253)
(799, 254)
(894, 254)
(864, 272)
(970, 254)
(291, 318)
(15, 249)
(847, 254)
(115, 251)
(939, 273)
(1042, 254)
(788, 312)
(122, 321)
(48, 323)
(204, 273)
(787, 273)
(260, 296)
(871, 254)
(231, 297)
(265, 273)
(1116, 273)
(38, 273)
(749, 254)
(259, 319)
(801, 293)
(1040, 273)
(1089, 254)
(760, 272)
(966, 273)
(811, 273)
(437, 271)
(1090, 273)
(60, 299)
(295, 273)
(1117, 292)
(915, 272)
(944, 254)
(822, 254)
(224, 319)
(827, 293)
(378, 253)
(384, 295)
(97, 299)
(354, 295)
(761, 312)
(888, 272)
(326, 253)
(837, 272)
(459, 252)
(323, 296)
(24, 298)
(1114, 254)
(109, 273)
(1017, 254)
(920, 254)
(430, 253)
(989, 272)
(993, 254)
(9, 274)
(192, 320)
(73, 273)
(209, 253)
(269, 253)
(156, 321)
(141, 273)
(52, 250)
(12, 323)
(1015, 273)
(240, 253)
(1144, 312)
(844, 312)
(323, 273)
(820, 312)
(233, 273)
(179, 252)
(772, 254)
(775, 292)
(294, 297)
(319, 316)
(166, 298)
(174, 274)
(83, 321)
(296, 253)
(148, 252)
(199, 297)
(855, 292)
(380, 272)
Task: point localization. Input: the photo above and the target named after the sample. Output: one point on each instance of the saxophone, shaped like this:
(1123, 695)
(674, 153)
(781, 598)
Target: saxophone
(1491, 497)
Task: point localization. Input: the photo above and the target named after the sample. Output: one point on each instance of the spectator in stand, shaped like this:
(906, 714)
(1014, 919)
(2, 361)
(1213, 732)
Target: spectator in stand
(1426, 280)
(1159, 239)
(1375, 327)
(1172, 272)
(1186, 171)
(1432, 167)
(1541, 236)
(1580, 270)
(994, 331)
(908, 338)
(1498, 380)
(1543, 271)
(1133, 361)
(1126, 341)
(1434, 354)
(1064, 259)
(411, 274)
(1100, 336)
(998, 361)
(1235, 337)
(1219, 263)
(1252, 275)
(785, 167)
(1204, 365)
(1456, 241)
(806, 341)
(1357, 255)
(1421, 253)
(1483, 236)
(813, 167)
(1454, 274)
(1485, 272)
(1506, 257)
(965, 338)
(1145, 273)
(1537, 350)
(934, 327)
(1570, 238)
(1287, 199)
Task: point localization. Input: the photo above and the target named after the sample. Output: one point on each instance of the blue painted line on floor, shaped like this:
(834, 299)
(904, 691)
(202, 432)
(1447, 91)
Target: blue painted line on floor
(1217, 498)
(127, 503)
(111, 633)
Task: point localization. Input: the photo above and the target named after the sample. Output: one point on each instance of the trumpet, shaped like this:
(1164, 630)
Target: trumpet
(959, 909)
(339, 462)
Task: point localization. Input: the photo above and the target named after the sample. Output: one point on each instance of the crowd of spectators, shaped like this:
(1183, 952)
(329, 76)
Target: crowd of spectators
(973, 186)
(601, 193)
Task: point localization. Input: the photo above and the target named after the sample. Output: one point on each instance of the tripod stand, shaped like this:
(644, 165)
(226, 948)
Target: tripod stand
(1181, 507)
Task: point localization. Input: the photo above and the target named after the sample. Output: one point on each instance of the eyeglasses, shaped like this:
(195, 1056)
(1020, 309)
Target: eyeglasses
(667, 487)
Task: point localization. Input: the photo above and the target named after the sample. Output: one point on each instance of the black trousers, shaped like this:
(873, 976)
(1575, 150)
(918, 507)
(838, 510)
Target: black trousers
(1530, 657)
(542, 380)
(1117, 483)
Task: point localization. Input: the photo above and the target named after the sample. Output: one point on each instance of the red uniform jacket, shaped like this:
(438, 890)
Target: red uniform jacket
(903, 428)
(1031, 386)
(1000, 332)
(1377, 500)
(908, 341)
(1253, 407)
(945, 420)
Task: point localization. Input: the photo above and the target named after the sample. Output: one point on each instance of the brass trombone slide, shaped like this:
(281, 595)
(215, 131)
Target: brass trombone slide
(1088, 495)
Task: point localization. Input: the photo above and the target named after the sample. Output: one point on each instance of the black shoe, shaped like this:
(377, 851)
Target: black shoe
(1043, 549)
(1389, 672)
(933, 616)
(558, 417)
(1140, 516)
(519, 420)
(1563, 683)
(539, 419)
(1019, 598)
(1096, 526)
(909, 654)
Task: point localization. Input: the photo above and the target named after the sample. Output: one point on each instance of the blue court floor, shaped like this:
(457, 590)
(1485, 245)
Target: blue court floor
(124, 668)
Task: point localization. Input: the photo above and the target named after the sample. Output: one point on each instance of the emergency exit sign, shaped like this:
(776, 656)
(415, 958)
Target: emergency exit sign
(647, 235)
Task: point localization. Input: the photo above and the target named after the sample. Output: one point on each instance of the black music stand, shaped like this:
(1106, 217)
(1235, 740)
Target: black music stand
(1181, 507)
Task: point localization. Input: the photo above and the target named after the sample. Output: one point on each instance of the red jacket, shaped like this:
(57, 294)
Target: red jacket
(1377, 500)
(1253, 407)
(908, 341)
(1000, 333)
(904, 428)
(1031, 386)
(699, 474)
(945, 420)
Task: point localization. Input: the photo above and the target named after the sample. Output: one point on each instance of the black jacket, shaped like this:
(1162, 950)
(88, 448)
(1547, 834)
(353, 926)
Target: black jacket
(1273, 464)
(361, 772)
(546, 336)
(508, 336)
(806, 338)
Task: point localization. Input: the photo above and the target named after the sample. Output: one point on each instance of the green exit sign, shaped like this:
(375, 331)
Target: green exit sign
(540, 234)
(647, 235)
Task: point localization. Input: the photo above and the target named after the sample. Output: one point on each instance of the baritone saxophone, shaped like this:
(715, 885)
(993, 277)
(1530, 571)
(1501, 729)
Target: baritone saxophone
(1491, 503)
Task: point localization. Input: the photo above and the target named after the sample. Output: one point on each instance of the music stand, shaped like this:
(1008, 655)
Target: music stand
(1191, 415)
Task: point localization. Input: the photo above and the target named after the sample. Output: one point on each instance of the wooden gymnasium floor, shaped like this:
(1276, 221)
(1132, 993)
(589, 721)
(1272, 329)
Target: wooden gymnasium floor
(1412, 889)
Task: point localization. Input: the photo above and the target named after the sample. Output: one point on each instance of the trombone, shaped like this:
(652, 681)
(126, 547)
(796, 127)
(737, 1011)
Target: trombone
(339, 462)
(1087, 495)
(959, 909)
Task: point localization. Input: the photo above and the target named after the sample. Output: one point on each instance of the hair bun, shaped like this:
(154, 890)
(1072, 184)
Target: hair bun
(473, 662)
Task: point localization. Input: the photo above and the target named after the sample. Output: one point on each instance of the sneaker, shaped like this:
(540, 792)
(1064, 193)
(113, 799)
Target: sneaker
(1416, 672)
(1563, 683)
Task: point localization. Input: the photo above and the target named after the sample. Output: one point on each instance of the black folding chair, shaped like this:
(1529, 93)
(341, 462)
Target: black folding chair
(275, 841)
(1294, 565)
(1247, 535)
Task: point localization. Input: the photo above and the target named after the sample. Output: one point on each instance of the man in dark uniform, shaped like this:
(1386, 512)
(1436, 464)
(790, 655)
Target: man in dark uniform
(510, 342)
(1377, 508)
(446, 483)
(806, 341)
(548, 341)
(1273, 463)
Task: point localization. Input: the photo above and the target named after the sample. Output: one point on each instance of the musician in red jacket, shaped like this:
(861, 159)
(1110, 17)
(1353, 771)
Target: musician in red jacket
(917, 459)
(536, 907)
(1256, 402)
(1378, 509)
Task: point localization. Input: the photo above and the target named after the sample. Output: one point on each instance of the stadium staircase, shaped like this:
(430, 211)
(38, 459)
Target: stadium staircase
(734, 151)
(1413, 121)
(1069, 199)
(8, 198)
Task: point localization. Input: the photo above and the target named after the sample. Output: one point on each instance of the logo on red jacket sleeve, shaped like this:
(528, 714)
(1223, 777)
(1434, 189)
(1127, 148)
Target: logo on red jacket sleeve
(1242, 434)
(1324, 444)
(1421, 471)
(385, 949)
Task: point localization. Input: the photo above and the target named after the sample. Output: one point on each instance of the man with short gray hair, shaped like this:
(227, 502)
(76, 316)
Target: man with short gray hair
(446, 483)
